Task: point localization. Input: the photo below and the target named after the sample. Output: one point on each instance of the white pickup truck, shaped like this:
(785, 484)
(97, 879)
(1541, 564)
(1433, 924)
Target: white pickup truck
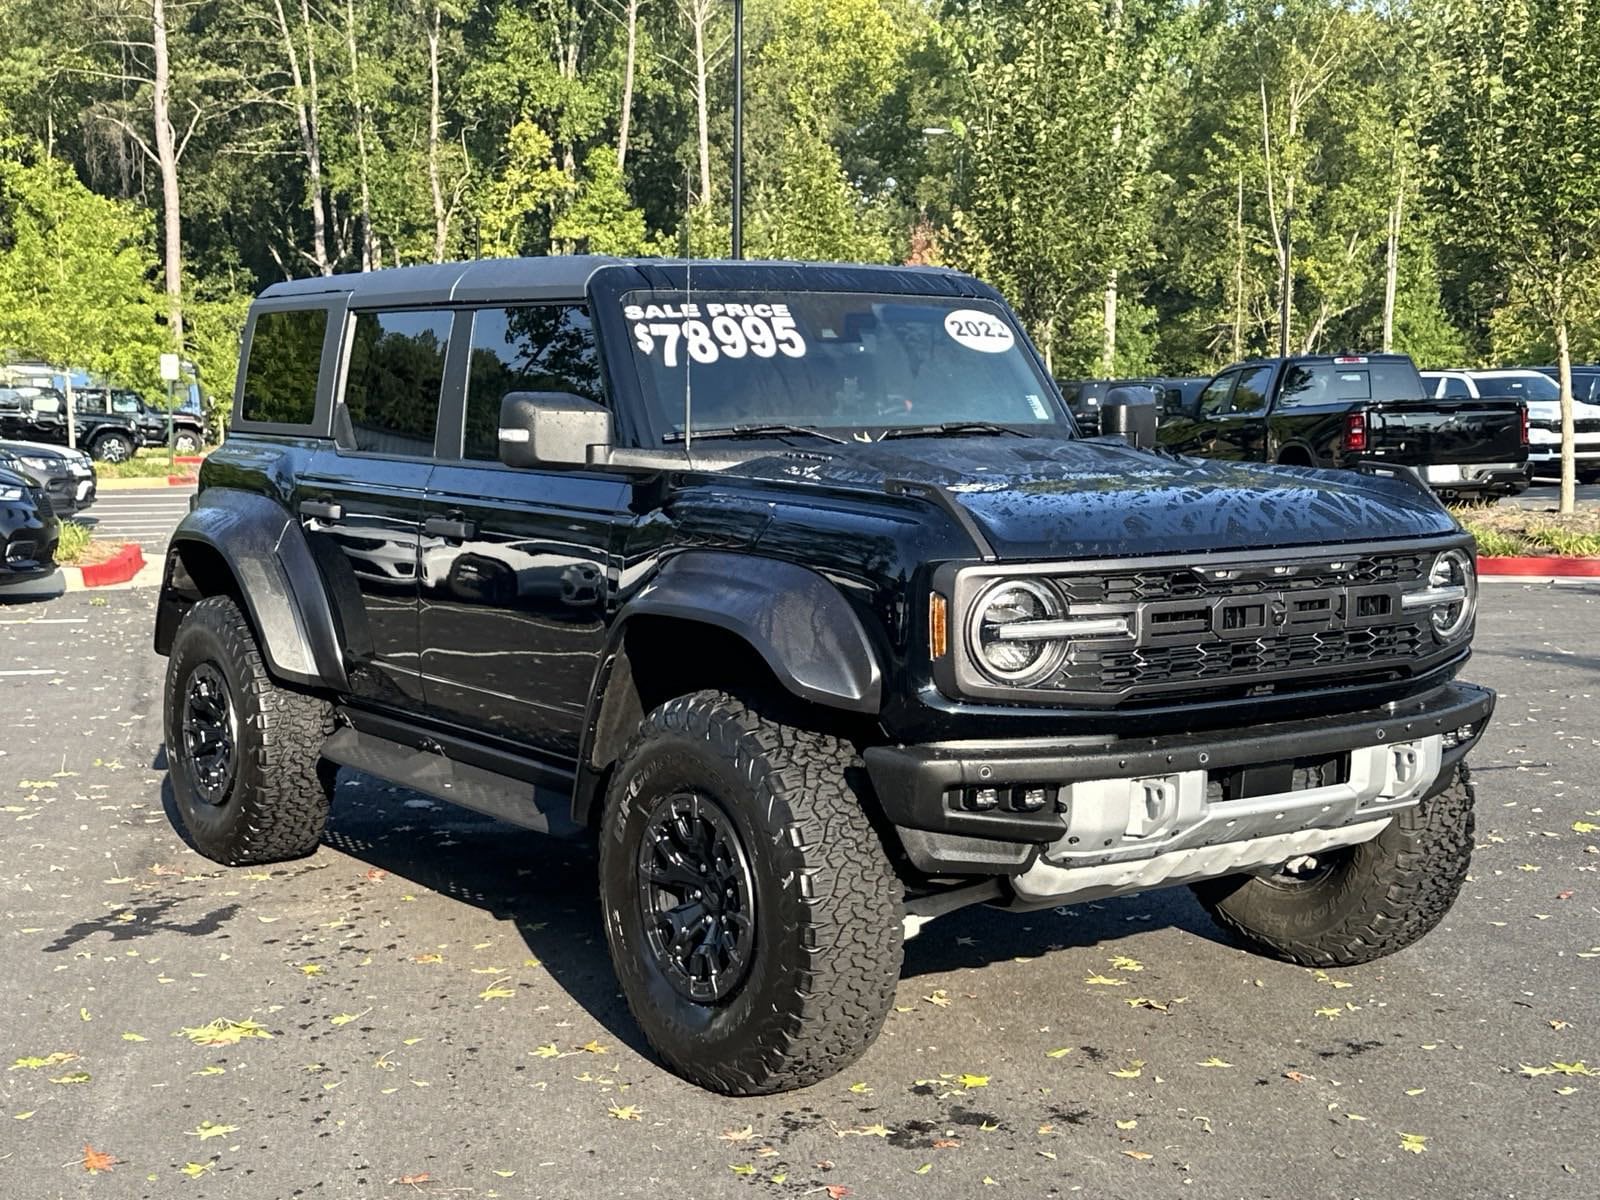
(1543, 397)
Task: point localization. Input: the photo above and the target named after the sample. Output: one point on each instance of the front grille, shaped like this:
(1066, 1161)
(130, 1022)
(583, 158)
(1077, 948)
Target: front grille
(1587, 425)
(41, 500)
(1207, 660)
(1216, 628)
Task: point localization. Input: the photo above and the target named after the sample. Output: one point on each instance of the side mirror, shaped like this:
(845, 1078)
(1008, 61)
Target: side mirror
(1130, 413)
(541, 429)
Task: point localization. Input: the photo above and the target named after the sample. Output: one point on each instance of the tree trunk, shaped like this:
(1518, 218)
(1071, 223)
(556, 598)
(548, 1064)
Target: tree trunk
(1569, 464)
(441, 219)
(1391, 262)
(700, 15)
(369, 257)
(1108, 344)
(305, 99)
(1238, 276)
(167, 162)
(627, 85)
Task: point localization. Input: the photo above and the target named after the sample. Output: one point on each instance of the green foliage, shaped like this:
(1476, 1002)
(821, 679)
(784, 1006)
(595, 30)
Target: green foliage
(75, 538)
(602, 220)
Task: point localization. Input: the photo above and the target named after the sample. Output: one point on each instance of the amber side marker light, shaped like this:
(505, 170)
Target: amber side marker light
(938, 628)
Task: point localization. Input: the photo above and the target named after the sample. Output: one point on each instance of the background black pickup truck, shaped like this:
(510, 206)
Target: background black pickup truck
(154, 425)
(1338, 410)
(35, 414)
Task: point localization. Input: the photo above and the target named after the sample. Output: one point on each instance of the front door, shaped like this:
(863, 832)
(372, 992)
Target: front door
(361, 502)
(516, 563)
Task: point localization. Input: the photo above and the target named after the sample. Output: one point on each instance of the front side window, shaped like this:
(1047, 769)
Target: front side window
(1215, 398)
(858, 363)
(540, 348)
(391, 392)
(280, 377)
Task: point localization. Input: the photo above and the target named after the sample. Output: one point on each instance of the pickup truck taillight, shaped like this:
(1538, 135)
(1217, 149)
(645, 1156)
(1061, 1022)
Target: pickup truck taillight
(1524, 411)
(1355, 432)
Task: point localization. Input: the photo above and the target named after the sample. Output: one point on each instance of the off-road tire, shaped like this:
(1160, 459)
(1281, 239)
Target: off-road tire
(277, 805)
(186, 441)
(113, 447)
(828, 915)
(1384, 896)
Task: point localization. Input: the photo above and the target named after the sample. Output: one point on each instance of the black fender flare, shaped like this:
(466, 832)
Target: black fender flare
(274, 576)
(798, 622)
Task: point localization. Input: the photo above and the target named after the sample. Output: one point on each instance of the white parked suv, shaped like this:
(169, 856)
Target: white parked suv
(1543, 396)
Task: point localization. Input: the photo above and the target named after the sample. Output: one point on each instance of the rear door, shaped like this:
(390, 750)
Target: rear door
(361, 501)
(516, 563)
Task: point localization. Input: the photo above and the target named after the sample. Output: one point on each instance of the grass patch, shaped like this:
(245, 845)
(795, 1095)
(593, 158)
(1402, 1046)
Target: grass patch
(145, 464)
(1504, 531)
(74, 542)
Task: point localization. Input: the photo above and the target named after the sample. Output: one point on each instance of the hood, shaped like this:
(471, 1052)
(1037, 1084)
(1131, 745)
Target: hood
(39, 450)
(1039, 498)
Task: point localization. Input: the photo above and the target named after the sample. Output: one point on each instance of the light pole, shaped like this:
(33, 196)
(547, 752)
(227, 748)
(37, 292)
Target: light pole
(738, 128)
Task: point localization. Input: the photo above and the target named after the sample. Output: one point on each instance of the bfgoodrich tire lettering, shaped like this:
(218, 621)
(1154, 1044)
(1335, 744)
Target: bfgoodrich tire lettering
(275, 805)
(827, 904)
(1380, 897)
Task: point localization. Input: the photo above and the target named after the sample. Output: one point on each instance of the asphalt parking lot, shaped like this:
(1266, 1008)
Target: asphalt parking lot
(425, 1005)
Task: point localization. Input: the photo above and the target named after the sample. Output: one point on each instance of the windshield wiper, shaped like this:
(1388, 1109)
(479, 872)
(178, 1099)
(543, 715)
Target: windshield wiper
(756, 430)
(949, 427)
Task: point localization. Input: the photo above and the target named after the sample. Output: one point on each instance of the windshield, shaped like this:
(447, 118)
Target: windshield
(1518, 387)
(1335, 382)
(861, 363)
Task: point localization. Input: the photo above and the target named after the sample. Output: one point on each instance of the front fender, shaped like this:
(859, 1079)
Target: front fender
(273, 574)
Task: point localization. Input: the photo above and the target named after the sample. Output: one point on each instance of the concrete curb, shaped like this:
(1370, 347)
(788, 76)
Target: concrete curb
(119, 568)
(1541, 566)
(148, 574)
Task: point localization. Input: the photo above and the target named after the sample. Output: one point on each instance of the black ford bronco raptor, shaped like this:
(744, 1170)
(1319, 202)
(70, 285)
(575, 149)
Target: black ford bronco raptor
(795, 586)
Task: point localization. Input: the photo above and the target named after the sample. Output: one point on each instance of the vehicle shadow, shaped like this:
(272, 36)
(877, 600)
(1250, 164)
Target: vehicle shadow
(545, 888)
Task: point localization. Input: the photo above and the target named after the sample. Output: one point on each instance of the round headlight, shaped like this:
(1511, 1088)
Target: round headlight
(1453, 569)
(996, 644)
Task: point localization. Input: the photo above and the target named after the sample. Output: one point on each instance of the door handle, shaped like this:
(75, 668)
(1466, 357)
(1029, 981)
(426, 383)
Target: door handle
(452, 527)
(321, 510)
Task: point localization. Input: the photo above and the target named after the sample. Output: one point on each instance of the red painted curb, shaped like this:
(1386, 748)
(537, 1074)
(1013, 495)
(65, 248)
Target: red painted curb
(119, 568)
(1577, 568)
(193, 459)
(180, 480)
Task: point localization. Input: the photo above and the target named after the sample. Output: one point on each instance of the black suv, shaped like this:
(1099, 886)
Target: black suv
(67, 476)
(156, 427)
(795, 587)
(29, 530)
(39, 414)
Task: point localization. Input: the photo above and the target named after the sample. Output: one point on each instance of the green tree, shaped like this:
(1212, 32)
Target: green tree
(1518, 146)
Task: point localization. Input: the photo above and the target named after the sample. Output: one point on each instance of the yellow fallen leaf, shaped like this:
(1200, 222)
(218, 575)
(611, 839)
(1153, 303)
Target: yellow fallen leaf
(1050, 1154)
(861, 1089)
(73, 1077)
(1123, 963)
(1330, 1013)
(593, 1047)
(939, 999)
(1138, 1155)
(310, 968)
(23, 1116)
(1560, 1091)
(505, 1174)
(1059, 1052)
(1585, 827)
(1106, 981)
(133, 1037)
(1132, 1071)
(1214, 1061)
(625, 1112)
(210, 1129)
(54, 1059)
(346, 1018)
(1413, 1142)
(195, 1170)
(743, 1134)
(549, 1050)
(741, 1168)
(213, 1069)
(923, 1169)
(973, 1081)
(1415, 1091)
(496, 992)
(223, 1032)
(1127, 1124)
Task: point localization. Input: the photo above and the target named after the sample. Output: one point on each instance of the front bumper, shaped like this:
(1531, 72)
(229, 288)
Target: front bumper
(1069, 817)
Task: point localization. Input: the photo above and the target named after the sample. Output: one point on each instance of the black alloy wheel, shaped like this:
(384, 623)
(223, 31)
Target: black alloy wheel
(696, 896)
(210, 733)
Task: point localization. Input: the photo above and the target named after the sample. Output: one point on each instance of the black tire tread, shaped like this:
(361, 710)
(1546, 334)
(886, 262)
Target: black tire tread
(284, 788)
(1405, 881)
(851, 932)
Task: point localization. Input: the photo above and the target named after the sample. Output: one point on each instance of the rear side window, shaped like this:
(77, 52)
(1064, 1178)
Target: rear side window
(391, 393)
(1455, 388)
(280, 379)
(543, 348)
